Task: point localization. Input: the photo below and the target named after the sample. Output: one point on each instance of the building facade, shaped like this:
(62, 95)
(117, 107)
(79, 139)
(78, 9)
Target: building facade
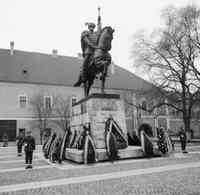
(23, 75)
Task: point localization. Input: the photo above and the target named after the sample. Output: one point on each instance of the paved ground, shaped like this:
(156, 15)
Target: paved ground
(177, 174)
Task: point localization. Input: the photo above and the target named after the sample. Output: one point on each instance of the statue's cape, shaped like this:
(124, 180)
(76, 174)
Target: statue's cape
(83, 43)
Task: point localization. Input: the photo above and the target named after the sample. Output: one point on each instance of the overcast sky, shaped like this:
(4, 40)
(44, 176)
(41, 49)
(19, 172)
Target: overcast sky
(43, 25)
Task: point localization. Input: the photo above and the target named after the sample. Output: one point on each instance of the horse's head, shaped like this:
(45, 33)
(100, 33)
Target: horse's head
(105, 38)
(108, 29)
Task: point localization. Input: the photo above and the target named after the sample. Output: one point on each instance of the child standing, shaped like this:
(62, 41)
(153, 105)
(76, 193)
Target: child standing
(29, 147)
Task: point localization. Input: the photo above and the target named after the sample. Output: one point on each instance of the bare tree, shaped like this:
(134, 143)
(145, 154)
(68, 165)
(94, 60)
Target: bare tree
(151, 108)
(42, 111)
(61, 111)
(169, 56)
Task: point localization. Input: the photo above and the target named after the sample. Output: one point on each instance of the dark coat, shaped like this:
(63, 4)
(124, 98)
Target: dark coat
(20, 140)
(29, 144)
(182, 136)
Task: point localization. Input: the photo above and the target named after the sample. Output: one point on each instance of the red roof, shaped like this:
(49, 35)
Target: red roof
(32, 67)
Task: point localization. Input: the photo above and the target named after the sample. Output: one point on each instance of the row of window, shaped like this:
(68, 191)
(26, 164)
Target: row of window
(23, 101)
(163, 111)
(48, 101)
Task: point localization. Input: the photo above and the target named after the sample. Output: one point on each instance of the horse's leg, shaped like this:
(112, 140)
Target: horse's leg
(86, 88)
(103, 85)
(103, 79)
(90, 83)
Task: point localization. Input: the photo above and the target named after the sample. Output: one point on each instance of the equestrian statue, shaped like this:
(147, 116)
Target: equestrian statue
(95, 47)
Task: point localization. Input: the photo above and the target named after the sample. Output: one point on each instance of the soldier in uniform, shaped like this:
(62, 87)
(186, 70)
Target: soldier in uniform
(29, 147)
(20, 141)
(88, 45)
(5, 140)
(183, 139)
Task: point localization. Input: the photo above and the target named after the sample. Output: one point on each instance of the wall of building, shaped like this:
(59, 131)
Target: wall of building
(10, 92)
(25, 117)
(10, 109)
(164, 116)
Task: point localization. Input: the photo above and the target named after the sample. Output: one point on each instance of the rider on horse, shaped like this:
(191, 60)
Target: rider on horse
(88, 44)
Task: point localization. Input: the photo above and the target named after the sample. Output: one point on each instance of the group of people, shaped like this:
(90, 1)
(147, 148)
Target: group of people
(165, 143)
(53, 145)
(28, 142)
(182, 137)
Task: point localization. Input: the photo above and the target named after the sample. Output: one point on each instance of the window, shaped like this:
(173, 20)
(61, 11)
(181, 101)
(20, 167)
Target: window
(48, 102)
(198, 114)
(143, 107)
(47, 132)
(161, 110)
(23, 101)
(173, 112)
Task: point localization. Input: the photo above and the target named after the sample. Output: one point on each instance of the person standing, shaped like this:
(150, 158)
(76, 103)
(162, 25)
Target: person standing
(20, 141)
(162, 143)
(183, 139)
(29, 147)
(5, 140)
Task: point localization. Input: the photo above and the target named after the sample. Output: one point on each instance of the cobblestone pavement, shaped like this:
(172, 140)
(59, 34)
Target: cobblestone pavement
(177, 174)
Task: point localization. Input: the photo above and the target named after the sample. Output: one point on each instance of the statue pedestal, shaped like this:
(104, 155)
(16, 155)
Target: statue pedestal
(96, 109)
(130, 152)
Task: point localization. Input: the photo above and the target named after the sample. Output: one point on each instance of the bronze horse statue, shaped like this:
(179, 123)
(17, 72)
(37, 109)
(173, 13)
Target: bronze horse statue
(100, 60)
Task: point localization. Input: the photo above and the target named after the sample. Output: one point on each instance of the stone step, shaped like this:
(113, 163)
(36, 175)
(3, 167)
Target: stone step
(130, 152)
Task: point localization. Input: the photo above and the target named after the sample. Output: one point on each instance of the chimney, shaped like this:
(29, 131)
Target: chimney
(54, 53)
(12, 47)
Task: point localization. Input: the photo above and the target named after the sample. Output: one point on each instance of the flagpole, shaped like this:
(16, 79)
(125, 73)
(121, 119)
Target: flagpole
(99, 20)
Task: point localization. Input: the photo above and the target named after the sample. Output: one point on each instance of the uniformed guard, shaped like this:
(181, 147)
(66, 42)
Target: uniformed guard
(29, 147)
(20, 142)
(183, 139)
(5, 140)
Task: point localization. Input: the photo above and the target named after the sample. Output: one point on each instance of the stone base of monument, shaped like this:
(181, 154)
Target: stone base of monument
(76, 155)
(95, 110)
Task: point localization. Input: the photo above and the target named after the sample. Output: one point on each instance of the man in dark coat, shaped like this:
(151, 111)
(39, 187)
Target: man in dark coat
(29, 147)
(20, 141)
(183, 139)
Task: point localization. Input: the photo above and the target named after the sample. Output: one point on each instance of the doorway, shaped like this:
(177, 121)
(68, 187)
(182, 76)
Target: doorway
(8, 127)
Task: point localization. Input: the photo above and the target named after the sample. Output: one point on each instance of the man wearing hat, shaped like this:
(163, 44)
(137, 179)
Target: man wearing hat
(20, 142)
(183, 139)
(29, 147)
(88, 45)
